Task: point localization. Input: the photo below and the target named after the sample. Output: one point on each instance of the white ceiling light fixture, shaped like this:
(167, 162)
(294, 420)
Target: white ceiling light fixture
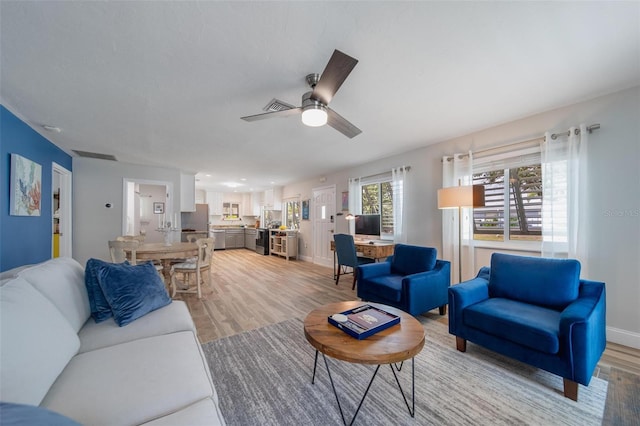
(314, 116)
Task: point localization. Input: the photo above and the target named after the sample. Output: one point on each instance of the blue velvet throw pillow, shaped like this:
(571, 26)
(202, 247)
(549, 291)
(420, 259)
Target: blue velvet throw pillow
(100, 308)
(132, 291)
(22, 414)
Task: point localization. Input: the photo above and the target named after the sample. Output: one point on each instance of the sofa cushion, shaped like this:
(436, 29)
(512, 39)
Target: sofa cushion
(61, 280)
(133, 382)
(37, 343)
(21, 414)
(408, 260)
(387, 286)
(168, 319)
(132, 291)
(529, 325)
(100, 308)
(203, 413)
(542, 281)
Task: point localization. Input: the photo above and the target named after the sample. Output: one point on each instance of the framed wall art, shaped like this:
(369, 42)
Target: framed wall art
(26, 187)
(345, 201)
(158, 208)
(305, 209)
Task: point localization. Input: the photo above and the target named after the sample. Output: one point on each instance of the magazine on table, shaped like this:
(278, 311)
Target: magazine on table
(363, 321)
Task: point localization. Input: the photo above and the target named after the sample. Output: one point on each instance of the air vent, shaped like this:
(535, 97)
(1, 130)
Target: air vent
(277, 105)
(88, 154)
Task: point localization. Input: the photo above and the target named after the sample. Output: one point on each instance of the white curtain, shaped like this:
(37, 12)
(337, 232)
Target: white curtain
(458, 170)
(398, 184)
(565, 224)
(355, 201)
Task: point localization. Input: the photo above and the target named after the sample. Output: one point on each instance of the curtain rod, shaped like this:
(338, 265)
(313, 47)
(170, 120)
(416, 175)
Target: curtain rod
(407, 168)
(554, 136)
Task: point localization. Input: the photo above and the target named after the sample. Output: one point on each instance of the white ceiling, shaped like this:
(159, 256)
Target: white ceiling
(165, 83)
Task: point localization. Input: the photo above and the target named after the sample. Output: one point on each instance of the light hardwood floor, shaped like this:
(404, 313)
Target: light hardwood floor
(249, 290)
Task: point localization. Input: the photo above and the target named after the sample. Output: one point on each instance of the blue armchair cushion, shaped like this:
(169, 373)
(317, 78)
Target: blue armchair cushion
(132, 291)
(409, 260)
(547, 282)
(388, 287)
(100, 309)
(532, 326)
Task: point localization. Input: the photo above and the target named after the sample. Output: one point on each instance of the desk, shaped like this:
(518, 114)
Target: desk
(374, 251)
(158, 251)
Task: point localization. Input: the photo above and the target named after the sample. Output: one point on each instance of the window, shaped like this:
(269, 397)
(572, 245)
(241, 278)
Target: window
(513, 195)
(377, 198)
(292, 214)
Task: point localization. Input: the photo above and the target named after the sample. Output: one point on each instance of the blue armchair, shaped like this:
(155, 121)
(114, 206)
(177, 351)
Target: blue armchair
(412, 280)
(535, 310)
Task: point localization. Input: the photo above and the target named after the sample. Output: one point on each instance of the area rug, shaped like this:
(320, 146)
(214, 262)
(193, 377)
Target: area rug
(263, 377)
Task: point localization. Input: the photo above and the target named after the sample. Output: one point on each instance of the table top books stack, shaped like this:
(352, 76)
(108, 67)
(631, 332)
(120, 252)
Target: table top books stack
(363, 321)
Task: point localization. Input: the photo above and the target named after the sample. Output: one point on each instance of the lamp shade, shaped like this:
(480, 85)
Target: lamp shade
(461, 196)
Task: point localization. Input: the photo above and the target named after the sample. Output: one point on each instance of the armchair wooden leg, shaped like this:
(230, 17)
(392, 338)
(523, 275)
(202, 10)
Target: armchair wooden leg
(570, 389)
(461, 344)
(355, 272)
(338, 276)
(442, 309)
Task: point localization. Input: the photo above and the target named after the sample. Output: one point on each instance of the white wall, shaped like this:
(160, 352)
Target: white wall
(614, 179)
(98, 182)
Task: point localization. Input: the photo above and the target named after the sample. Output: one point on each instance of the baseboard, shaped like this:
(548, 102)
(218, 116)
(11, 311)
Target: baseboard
(623, 337)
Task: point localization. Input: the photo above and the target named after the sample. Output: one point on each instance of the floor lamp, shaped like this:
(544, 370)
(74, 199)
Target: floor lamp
(457, 197)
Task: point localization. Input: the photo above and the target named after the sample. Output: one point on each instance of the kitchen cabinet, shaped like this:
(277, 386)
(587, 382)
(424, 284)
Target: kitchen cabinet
(214, 199)
(273, 198)
(187, 192)
(230, 211)
(234, 238)
(284, 243)
(250, 204)
(250, 239)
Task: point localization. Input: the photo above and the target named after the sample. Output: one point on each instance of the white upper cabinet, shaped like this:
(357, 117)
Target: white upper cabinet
(250, 204)
(273, 198)
(187, 193)
(214, 199)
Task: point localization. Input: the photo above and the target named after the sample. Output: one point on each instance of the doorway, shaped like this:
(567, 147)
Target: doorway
(146, 206)
(324, 212)
(61, 241)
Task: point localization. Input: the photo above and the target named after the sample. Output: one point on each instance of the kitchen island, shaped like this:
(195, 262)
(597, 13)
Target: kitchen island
(284, 242)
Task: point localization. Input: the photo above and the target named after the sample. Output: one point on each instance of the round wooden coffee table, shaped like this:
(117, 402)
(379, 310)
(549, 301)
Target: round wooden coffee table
(394, 345)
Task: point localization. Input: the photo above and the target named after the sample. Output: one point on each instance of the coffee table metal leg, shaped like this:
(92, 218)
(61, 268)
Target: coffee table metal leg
(412, 410)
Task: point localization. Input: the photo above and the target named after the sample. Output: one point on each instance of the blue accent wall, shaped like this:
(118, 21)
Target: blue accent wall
(26, 239)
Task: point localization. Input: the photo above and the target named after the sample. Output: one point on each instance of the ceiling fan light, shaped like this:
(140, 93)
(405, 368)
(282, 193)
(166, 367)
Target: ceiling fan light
(314, 116)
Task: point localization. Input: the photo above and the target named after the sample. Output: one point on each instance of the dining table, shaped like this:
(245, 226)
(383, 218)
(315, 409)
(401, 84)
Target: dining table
(165, 254)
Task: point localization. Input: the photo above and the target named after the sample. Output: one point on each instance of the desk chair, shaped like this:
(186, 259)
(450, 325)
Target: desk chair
(348, 257)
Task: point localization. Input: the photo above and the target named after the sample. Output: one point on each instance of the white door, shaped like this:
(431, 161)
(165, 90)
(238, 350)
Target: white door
(61, 181)
(324, 213)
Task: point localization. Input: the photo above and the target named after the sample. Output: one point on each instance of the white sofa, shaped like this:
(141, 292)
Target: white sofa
(53, 355)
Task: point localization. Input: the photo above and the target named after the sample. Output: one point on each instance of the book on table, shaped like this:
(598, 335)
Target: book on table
(363, 321)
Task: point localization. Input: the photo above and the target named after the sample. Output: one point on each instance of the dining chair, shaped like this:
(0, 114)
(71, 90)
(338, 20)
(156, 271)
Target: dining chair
(202, 264)
(348, 256)
(118, 250)
(139, 238)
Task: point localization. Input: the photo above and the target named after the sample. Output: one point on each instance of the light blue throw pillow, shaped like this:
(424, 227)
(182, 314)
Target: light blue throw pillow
(132, 291)
(100, 309)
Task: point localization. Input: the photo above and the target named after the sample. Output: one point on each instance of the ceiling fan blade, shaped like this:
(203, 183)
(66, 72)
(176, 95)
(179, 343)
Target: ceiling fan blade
(335, 73)
(283, 113)
(339, 123)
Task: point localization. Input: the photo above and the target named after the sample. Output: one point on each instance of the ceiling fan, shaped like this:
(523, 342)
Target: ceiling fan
(315, 111)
